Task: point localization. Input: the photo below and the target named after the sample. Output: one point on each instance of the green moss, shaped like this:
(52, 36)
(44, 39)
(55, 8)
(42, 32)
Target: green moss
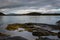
(12, 27)
(16, 26)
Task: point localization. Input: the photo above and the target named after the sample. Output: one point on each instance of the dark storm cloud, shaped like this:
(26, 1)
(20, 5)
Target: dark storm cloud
(37, 5)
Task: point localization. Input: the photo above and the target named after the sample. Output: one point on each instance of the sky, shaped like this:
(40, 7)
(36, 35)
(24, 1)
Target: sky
(26, 6)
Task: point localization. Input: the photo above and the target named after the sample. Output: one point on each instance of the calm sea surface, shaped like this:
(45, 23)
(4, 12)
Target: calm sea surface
(25, 19)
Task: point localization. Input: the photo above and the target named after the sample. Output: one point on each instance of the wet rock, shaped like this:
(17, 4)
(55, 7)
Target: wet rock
(12, 38)
(16, 38)
(12, 27)
(3, 37)
(2, 34)
(37, 33)
(42, 32)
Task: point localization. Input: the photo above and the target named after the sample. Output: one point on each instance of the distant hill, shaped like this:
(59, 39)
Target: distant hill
(12, 14)
(33, 13)
(2, 13)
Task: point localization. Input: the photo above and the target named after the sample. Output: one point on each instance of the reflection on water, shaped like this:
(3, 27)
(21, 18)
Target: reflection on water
(25, 19)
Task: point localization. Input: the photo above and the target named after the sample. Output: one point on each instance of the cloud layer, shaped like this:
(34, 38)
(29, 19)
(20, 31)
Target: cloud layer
(30, 5)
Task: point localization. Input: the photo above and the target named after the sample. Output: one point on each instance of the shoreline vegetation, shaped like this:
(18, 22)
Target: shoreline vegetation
(31, 14)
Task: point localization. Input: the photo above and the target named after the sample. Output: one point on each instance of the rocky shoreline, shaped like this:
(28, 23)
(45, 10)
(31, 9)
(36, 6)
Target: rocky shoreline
(32, 27)
(45, 29)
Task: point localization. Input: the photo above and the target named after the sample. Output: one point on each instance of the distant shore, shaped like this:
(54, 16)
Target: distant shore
(31, 14)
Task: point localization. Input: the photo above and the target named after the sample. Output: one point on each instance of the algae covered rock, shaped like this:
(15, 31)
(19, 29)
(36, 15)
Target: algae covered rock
(13, 26)
(16, 26)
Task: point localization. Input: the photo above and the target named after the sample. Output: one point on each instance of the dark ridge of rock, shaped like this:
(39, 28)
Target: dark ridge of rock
(2, 13)
(12, 38)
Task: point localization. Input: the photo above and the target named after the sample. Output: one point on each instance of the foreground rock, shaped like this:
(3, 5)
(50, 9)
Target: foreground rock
(30, 28)
(12, 27)
(42, 32)
(12, 38)
(2, 34)
(8, 37)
